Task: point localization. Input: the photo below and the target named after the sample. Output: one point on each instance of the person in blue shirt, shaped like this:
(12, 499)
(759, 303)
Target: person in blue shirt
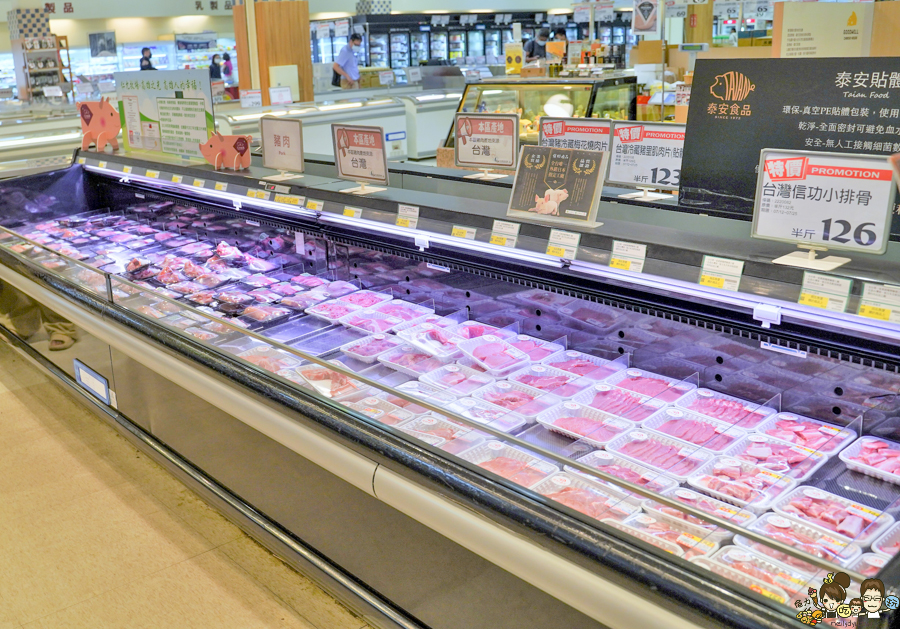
(346, 65)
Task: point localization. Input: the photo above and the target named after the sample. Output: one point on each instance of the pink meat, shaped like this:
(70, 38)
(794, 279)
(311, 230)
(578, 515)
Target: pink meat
(660, 456)
(576, 366)
(370, 325)
(399, 310)
(778, 457)
(517, 471)
(535, 350)
(372, 348)
(474, 331)
(493, 355)
(653, 387)
(827, 513)
(509, 398)
(544, 383)
(618, 402)
(806, 434)
(363, 299)
(727, 410)
(587, 427)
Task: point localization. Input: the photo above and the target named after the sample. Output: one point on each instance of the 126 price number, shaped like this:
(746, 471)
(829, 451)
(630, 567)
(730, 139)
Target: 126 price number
(840, 231)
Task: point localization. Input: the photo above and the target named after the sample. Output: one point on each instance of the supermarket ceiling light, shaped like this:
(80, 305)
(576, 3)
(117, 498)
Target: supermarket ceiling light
(436, 12)
(559, 11)
(384, 101)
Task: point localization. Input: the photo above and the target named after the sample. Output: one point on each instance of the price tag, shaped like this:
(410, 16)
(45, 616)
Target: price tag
(721, 273)
(505, 233)
(563, 244)
(880, 301)
(177, 178)
(316, 206)
(127, 170)
(413, 74)
(486, 140)
(251, 193)
(825, 291)
(153, 174)
(221, 186)
(463, 232)
(288, 199)
(251, 98)
(282, 142)
(101, 164)
(407, 216)
(503, 241)
(199, 183)
(352, 212)
(628, 256)
(646, 154)
(81, 161)
(359, 153)
(840, 201)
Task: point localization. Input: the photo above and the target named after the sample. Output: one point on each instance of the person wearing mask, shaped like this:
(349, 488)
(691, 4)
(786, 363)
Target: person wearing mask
(227, 67)
(346, 66)
(560, 35)
(215, 68)
(146, 54)
(536, 48)
(733, 37)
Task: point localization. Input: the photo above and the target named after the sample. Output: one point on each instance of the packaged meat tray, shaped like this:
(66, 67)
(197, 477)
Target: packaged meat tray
(423, 436)
(234, 296)
(653, 385)
(488, 414)
(562, 383)
(186, 288)
(512, 396)
(285, 289)
(619, 402)
(411, 361)
(869, 564)
(807, 432)
(302, 301)
(582, 422)
(888, 544)
(540, 298)
(511, 463)
(423, 391)
(308, 281)
(536, 349)
(457, 379)
(258, 280)
(844, 518)
(653, 540)
(457, 437)
(874, 457)
(760, 587)
(203, 298)
(270, 358)
(588, 315)
(369, 322)
(331, 311)
(336, 289)
(264, 295)
(435, 320)
(802, 536)
(691, 544)
(332, 384)
(212, 280)
(713, 435)
(203, 335)
(438, 342)
(381, 410)
(626, 470)
(474, 330)
(699, 526)
(582, 364)
(365, 298)
(591, 500)
(368, 350)
(793, 461)
(403, 310)
(673, 457)
(725, 408)
(794, 582)
(261, 313)
(497, 357)
(740, 483)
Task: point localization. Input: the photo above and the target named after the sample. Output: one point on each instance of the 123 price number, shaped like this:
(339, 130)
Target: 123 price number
(841, 231)
(662, 176)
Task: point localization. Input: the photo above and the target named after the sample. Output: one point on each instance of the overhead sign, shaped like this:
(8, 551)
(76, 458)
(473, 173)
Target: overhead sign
(169, 112)
(646, 154)
(486, 140)
(586, 134)
(604, 11)
(831, 200)
(282, 143)
(834, 105)
(558, 184)
(677, 10)
(727, 10)
(196, 41)
(759, 9)
(833, 29)
(645, 20)
(359, 153)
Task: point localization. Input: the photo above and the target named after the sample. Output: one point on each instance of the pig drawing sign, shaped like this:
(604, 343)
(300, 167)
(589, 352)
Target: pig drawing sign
(100, 124)
(227, 151)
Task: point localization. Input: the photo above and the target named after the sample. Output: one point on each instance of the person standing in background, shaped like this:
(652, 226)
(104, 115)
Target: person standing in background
(733, 37)
(215, 69)
(536, 48)
(146, 55)
(560, 35)
(346, 66)
(227, 67)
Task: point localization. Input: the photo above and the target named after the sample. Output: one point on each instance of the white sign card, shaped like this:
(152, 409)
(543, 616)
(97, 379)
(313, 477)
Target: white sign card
(342, 28)
(413, 74)
(646, 17)
(676, 10)
(323, 31)
(251, 98)
(825, 291)
(646, 154)
(586, 134)
(386, 77)
(628, 256)
(487, 140)
(827, 199)
(721, 273)
(505, 233)
(727, 10)
(407, 216)
(282, 143)
(359, 153)
(280, 95)
(54, 91)
(880, 301)
(563, 244)
(604, 12)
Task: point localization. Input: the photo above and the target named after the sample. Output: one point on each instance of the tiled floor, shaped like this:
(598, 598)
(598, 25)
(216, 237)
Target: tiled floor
(95, 535)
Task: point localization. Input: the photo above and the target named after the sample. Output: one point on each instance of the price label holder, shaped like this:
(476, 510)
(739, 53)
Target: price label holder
(721, 273)
(486, 142)
(407, 216)
(352, 212)
(221, 186)
(314, 205)
(282, 146)
(563, 244)
(460, 231)
(289, 199)
(825, 291)
(628, 256)
(199, 183)
(646, 156)
(152, 174)
(822, 201)
(177, 178)
(505, 234)
(880, 301)
(81, 161)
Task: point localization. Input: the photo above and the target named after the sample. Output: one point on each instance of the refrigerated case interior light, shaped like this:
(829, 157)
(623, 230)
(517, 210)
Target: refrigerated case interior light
(491, 92)
(25, 141)
(430, 97)
(380, 102)
(339, 106)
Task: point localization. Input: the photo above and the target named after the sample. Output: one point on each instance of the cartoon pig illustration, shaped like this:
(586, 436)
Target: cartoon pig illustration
(227, 151)
(100, 124)
(549, 203)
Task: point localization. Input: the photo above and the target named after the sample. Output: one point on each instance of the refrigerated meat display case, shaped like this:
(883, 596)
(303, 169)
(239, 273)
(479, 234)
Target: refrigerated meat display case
(417, 420)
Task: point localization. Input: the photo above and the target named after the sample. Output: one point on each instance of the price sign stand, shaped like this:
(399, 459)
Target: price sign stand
(821, 201)
(645, 194)
(359, 157)
(282, 144)
(487, 142)
(646, 156)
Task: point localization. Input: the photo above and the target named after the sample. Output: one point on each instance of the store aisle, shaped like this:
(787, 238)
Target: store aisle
(95, 535)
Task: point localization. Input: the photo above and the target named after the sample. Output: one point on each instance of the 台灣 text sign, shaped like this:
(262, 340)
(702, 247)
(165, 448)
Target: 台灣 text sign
(487, 140)
(359, 153)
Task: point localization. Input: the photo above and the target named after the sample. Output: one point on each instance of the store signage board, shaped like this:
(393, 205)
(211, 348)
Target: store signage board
(628, 256)
(413, 74)
(515, 56)
(586, 134)
(53, 91)
(251, 98)
(323, 31)
(825, 291)
(647, 156)
(342, 28)
(759, 10)
(834, 29)
(823, 201)
(280, 95)
(92, 382)
(282, 146)
(558, 185)
(721, 273)
(839, 106)
(487, 142)
(880, 301)
(407, 216)
(166, 111)
(676, 10)
(646, 17)
(359, 156)
(604, 11)
(196, 41)
(726, 10)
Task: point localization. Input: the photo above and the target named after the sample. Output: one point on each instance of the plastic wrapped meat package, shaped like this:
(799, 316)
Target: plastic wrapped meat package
(457, 379)
(302, 301)
(369, 322)
(671, 456)
(626, 470)
(550, 380)
(539, 298)
(699, 526)
(536, 349)
(336, 289)
(403, 310)
(651, 384)
(523, 400)
(308, 281)
(593, 501)
(844, 518)
(583, 422)
(888, 544)
(793, 461)
(497, 357)
(582, 364)
(332, 384)
(511, 463)
(438, 342)
(869, 564)
(234, 296)
(474, 330)
(264, 295)
(262, 313)
(674, 532)
(370, 348)
(740, 483)
(269, 358)
(365, 298)
(874, 457)
(381, 410)
(713, 435)
(423, 391)
(411, 361)
(331, 311)
(456, 437)
(625, 404)
(589, 316)
(488, 414)
(725, 408)
(806, 432)
(807, 538)
(794, 582)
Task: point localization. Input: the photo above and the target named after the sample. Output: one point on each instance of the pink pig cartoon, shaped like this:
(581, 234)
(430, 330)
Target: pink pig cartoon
(549, 203)
(100, 123)
(227, 151)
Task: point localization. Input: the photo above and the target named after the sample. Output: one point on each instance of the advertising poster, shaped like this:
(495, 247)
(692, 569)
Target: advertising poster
(195, 41)
(646, 154)
(586, 134)
(359, 153)
(168, 112)
(646, 17)
(515, 56)
(558, 184)
(834, 29)
(487, 140)
(739, 107)
(103, 44)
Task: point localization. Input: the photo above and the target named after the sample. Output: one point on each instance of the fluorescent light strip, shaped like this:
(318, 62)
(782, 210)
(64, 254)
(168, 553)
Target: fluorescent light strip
(339, 106)
(25, 142)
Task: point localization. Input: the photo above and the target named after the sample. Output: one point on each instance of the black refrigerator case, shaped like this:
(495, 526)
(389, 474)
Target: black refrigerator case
(512, 471)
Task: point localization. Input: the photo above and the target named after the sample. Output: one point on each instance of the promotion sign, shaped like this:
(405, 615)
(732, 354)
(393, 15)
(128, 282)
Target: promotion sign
(587, 134)
(554, 183)
(726, 10)
(646, 17)
(646, 154)
(677, 10)
(282, 143)
(759, 9)
(169, 112)
(486, 140)
(515, 55)
(359, 153)
(826, 199)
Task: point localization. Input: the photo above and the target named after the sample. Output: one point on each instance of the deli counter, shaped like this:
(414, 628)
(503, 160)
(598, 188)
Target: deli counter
(447, 432)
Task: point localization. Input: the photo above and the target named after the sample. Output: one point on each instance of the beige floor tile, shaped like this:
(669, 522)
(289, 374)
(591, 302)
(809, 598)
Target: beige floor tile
(206, 591)
(296, 590)
(17, 372)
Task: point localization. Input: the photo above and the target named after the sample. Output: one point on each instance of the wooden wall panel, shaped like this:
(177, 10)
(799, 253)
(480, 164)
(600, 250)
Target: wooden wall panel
(701, 15)
(242, 46)
(282, 30)
(885, 29)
